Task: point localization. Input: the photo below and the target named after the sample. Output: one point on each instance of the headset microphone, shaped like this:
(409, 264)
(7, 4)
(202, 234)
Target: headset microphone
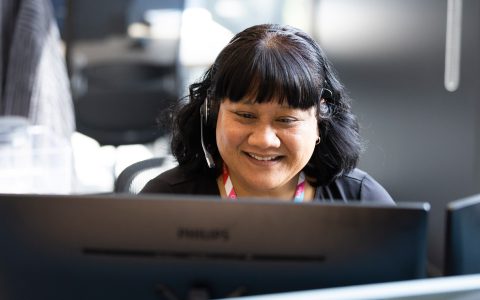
(203, 119)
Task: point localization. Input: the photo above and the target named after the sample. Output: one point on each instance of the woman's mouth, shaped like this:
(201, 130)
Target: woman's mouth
(264, 157)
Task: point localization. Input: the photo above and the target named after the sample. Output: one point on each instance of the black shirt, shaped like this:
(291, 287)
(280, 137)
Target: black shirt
(354, 186)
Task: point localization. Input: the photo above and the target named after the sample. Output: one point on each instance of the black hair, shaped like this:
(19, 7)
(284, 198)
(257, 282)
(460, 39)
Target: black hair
(273, 63)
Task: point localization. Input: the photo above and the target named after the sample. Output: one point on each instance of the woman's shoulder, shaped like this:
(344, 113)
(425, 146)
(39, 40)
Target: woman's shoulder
(356, 185)
(358, 176)
(181, 180)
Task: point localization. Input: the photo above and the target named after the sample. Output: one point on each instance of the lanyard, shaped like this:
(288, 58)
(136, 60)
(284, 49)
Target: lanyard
(299, 191)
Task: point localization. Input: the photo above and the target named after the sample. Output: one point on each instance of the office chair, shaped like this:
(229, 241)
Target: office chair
(121, 84)
(134, 177)
(462, 251)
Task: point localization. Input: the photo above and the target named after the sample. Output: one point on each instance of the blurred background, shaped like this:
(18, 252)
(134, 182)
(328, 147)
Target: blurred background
(411, 67)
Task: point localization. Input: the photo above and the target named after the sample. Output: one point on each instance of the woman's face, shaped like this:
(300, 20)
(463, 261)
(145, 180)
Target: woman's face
(265, 145)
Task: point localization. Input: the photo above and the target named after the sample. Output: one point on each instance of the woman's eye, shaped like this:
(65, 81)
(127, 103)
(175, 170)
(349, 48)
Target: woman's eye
(287, 120)
(245, 115)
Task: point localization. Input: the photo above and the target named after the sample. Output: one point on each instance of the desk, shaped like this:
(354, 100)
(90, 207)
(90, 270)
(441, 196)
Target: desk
(33, 159)
(465, 287)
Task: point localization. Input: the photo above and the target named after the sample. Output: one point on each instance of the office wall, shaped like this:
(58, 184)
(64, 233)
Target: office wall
(422, 141)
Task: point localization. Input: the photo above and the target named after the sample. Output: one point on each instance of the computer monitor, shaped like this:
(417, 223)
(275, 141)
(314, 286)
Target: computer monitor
(462, 251)
(186, 247)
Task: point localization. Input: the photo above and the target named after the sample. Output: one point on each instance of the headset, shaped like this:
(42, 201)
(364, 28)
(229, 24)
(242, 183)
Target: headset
(326, 95)
(206, 112)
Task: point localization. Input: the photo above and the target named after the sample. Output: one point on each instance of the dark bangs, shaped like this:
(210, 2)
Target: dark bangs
(272, 69)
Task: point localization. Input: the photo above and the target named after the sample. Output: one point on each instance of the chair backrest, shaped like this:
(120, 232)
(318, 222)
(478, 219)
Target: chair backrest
(462, 252)
(134, 177)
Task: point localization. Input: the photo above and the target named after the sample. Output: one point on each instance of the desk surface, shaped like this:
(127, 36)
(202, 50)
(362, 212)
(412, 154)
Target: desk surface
(465, 287)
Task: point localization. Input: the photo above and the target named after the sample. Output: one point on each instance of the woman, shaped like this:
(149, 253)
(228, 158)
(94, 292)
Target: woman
(268, 119)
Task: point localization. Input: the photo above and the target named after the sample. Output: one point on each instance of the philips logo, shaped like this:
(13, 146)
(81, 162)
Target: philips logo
(203, 234)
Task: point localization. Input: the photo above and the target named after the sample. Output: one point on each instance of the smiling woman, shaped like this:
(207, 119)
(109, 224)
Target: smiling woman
(268, 119)
(265, 146)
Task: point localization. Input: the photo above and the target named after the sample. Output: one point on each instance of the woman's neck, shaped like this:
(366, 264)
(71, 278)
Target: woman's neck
(285, 193)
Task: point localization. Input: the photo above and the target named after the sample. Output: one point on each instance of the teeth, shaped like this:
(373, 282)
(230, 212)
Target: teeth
(262, 158)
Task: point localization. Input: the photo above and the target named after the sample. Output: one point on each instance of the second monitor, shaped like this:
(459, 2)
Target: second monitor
(463, 236)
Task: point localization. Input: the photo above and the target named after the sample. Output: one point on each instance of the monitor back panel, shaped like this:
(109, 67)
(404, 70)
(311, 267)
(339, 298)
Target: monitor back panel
(145, 247)
(462, 252)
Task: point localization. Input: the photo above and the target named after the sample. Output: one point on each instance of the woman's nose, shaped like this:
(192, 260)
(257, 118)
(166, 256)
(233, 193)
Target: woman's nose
(264, 136)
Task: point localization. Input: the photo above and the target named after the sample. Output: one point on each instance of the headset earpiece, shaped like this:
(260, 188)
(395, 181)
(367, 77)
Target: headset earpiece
(326, 96)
